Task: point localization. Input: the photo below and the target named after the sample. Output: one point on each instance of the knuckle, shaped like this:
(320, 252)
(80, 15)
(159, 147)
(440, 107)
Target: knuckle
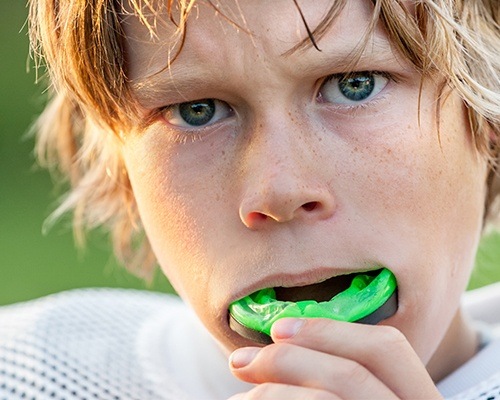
(392, 337)
(357, 374)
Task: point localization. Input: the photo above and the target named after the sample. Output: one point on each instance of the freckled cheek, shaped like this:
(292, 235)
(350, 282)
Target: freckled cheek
(417, 193)
(420, 176)
(385, 177)
(445, 201)
(425, 200)
(179, 203)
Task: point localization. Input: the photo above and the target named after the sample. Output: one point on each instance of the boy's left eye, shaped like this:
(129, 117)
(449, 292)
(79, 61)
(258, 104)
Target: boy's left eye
(352, 88)
(196, 114)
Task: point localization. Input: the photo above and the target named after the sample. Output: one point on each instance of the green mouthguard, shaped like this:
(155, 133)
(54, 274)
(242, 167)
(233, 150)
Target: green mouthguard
(254, 315)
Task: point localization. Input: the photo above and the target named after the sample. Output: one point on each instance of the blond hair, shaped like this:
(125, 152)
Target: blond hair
(78, 134)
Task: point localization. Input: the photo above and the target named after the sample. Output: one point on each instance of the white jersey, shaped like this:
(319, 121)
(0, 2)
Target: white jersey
(113, 344)
(109, 344)
(479, 378)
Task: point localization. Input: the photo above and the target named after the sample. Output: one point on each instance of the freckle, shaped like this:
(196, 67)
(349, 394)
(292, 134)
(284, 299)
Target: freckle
(389, 151)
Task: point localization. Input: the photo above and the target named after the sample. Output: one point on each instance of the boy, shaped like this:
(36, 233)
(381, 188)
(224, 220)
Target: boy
(273, 145)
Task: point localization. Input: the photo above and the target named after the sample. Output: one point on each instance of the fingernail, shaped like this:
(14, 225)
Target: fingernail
(242, 357)
(286, 327)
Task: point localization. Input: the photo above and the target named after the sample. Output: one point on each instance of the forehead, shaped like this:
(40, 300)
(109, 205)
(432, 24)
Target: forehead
(235, 29)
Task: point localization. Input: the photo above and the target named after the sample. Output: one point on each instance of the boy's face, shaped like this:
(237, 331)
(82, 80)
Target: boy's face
(287, 178)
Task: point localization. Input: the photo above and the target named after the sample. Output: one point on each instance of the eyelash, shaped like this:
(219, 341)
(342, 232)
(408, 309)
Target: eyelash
(184, 134)
(361, 105)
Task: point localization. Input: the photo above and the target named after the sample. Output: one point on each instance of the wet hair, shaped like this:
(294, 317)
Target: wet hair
(81, 45)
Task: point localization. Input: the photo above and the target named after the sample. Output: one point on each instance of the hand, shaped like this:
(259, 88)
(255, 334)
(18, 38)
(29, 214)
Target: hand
(325, 359)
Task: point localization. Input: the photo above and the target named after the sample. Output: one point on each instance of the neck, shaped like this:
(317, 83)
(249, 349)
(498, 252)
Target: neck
(459, 344)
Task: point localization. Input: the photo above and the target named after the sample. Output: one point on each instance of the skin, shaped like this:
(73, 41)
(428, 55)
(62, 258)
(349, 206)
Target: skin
(289, 188)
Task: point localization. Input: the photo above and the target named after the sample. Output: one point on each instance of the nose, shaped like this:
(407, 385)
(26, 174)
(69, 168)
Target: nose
(285, 180)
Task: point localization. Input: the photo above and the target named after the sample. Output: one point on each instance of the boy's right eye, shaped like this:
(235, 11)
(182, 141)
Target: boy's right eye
(196, 114)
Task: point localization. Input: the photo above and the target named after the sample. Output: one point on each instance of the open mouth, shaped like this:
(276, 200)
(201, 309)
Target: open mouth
(367, 297)
(322, 291)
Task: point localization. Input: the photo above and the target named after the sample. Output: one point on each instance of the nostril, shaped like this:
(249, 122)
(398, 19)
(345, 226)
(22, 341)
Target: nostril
(254, 217)
(310, 206)
(284, 210)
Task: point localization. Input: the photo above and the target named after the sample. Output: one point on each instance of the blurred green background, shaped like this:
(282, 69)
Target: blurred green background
(32, 264)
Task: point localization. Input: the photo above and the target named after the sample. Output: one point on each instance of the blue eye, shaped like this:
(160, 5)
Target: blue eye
(197, 114)
(352, 88)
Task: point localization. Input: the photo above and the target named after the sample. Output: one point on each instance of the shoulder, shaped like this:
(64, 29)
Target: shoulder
(478, 379)
(79, 344)
(82, 310)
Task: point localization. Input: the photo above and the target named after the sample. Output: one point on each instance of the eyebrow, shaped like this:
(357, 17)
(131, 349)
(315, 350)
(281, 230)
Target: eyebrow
(176, 80)
(171, 82)
(343, 60)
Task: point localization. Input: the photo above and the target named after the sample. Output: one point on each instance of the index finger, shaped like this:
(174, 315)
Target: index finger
(383, 350)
